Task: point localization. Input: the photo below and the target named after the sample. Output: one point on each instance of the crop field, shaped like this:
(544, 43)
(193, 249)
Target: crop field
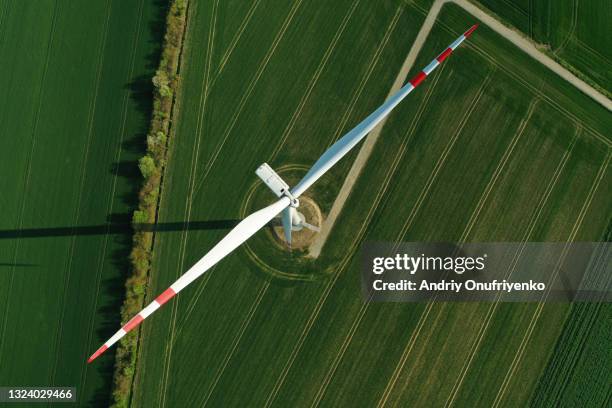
(492, 147)
(74, 107)
(575, 31)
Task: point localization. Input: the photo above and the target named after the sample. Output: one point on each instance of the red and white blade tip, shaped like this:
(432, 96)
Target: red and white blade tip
(134, 322)
(470, 31)
(97, 353)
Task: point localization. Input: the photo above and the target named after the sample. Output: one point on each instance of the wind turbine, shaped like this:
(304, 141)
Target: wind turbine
(288, 198)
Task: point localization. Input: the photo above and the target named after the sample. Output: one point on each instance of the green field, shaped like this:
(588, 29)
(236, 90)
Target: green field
(578, 373)
(73, 112)
(575, 31)
(492, 147)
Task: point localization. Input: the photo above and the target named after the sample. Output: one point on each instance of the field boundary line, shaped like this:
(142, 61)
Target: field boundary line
(539, 93)
(200, 118)
(368, 73)
(415, 209)
(27, 175)
(572, 30)
(526, 236)
(375, 204)
(519, 354)
(315, 78)
(227, 54)
(516, 7)
(526, 84)
(90, 122)
(194, 301)
(445, 153)
(249, 90)
(236, 340)
(192, 176)
(500, 168)
(592, 50)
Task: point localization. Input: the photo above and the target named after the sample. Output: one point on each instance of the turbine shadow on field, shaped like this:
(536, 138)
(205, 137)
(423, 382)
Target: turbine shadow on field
(118, 226)
(114, 228)
(17, 264)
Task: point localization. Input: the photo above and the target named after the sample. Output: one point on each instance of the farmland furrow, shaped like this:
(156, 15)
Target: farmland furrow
(111, 196)
(187, 213)
(235, 341)
(517, 358)
(498, 171)
(572, 29)
(366, 76)
(472, 220)
(228, 53)
(313, 81)
(27, 174)
(249, 90)
(491, 311)
(90, 120)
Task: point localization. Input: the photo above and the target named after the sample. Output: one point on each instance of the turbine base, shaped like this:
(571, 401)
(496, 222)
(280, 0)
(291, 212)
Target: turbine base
(302, 236)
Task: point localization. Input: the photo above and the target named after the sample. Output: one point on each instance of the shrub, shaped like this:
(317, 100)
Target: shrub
(140, 217)
(147, 167)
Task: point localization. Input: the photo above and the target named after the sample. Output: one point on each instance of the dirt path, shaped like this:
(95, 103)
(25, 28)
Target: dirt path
(527, 46)
(513, 36)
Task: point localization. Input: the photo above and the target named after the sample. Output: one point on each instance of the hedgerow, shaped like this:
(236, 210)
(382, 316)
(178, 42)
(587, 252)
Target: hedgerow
(151, 166)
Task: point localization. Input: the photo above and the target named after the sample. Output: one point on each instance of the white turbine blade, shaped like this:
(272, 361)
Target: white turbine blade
(241, 232)
(287, 224)
(348, 141)
(311, 227)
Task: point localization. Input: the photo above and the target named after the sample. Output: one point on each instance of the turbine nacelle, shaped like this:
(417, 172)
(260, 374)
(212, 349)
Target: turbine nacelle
(292, 219)
(276, 183)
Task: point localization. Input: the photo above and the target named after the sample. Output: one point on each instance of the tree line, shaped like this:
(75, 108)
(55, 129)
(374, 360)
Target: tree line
(151, 165)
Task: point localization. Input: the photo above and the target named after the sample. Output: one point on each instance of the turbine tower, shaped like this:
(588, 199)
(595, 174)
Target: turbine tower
(288, 198)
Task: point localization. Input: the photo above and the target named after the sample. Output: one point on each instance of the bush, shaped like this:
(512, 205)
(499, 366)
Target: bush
(140, 217)
(147, 167)
(160, 79)
(157, 142)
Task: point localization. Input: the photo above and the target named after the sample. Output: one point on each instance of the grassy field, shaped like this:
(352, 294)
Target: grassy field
(578, 374)
(575, 31)
(492, 147)
(75, 83)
